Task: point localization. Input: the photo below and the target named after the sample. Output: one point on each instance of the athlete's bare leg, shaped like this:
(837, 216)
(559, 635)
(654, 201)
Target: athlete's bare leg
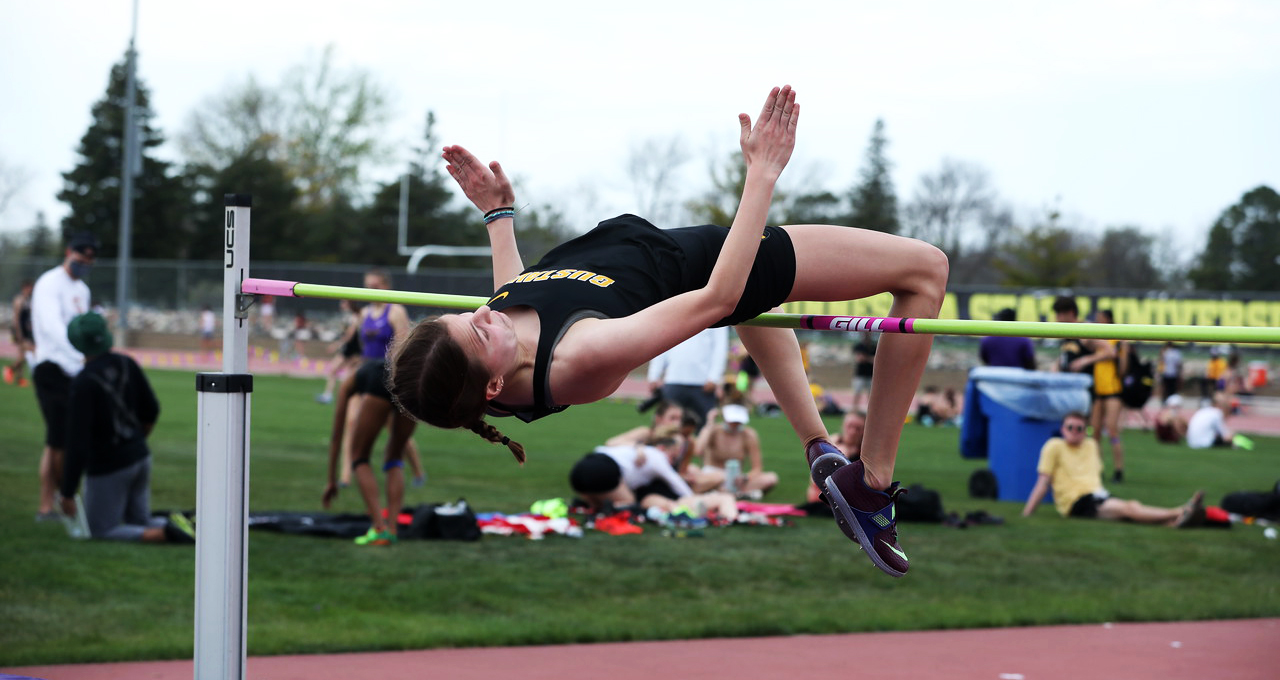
(844, 263)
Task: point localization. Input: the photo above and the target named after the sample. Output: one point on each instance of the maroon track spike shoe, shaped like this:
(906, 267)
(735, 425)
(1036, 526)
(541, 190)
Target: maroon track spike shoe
(824, 459)
(867, 516)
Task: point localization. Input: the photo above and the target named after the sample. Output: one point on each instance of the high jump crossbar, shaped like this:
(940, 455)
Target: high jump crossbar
(823, 322)
(223, 410)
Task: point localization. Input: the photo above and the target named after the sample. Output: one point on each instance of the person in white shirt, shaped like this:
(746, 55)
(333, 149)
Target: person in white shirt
(613, 474)
(1170, 370)
(60, 295)
(1208, 427)
(691, 373)
(208, 330)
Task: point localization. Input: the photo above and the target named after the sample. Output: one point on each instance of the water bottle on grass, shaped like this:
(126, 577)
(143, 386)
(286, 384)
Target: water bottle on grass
(732, 469)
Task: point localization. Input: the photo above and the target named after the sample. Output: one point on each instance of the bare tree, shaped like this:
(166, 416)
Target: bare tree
(1124, 258)
(227, 126)
(978, 263)
(653, 166)
(336, 119)
(324, 124)
(13, 179)
(950, 206)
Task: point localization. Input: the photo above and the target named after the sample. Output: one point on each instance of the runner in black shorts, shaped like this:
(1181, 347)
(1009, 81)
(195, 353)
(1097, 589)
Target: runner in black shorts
(20, 331)
(365, 395)
(347, 354)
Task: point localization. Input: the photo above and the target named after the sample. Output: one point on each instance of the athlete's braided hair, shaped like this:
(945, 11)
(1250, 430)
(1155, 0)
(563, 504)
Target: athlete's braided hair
(433, 380)
(491, 433)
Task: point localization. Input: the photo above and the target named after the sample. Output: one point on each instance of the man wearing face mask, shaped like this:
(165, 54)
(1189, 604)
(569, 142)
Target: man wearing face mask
(60, 294)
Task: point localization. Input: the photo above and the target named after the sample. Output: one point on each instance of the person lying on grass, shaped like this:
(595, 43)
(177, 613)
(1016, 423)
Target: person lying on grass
(641, 474)
(1072, 466)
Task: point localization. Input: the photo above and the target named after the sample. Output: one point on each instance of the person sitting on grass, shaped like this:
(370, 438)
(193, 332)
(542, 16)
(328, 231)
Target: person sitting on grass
(667, 415)
(734, 440)
(682, 453)
(1171, 425)
(1207, 427)
(1072, 466)
(849, 439)
(110, 412)
(572, 328)
(640, 474)
(939, 408)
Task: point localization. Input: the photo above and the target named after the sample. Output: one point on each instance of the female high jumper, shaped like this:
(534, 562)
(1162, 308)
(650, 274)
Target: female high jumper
(571, 328)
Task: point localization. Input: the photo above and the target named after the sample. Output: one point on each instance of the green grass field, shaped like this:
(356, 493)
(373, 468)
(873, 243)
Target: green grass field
(63, 601)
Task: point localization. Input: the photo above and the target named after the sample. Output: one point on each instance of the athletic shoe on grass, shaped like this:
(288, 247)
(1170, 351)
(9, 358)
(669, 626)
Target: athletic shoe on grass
(1193, 513)
(375, 537)
(179, 529)
(867, 516)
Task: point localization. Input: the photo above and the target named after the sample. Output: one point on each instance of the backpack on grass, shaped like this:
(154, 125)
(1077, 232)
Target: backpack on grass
(920, 504)
(448, 521)
(1138, 380)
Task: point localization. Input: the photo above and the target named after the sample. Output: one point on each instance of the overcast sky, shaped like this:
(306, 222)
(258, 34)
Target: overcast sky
(1156, 113)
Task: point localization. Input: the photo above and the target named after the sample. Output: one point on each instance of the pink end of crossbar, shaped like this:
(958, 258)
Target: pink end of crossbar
(268, 287)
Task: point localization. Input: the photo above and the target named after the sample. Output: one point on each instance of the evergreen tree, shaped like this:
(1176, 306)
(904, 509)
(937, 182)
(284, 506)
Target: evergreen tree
(1260, 243)
(279, 230)
(41, 241)
(161, 228)
(430, 219)
(1242, 251)
(875, 206)
(1123, 259)
(1048, 255)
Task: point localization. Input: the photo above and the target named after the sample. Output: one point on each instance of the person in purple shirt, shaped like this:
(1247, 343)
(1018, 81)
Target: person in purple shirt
(1007, 351)
(366, 392)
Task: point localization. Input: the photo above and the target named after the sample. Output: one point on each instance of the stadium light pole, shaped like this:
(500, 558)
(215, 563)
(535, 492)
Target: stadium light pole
(132, 167)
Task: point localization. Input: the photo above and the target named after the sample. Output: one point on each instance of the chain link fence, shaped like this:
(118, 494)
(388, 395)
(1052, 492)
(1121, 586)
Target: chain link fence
(166, 296)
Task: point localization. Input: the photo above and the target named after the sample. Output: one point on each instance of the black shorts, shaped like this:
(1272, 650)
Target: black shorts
(772, 276)
(595, 473)
(53, 388)
(658, 487)
(1086, 506)
(351, 348)
(371, 379)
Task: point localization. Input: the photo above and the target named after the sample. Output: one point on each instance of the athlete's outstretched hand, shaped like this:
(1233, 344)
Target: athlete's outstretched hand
(767, 145)
(486, 186)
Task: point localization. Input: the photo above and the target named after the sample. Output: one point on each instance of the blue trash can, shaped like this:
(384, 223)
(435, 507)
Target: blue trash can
(1009, 413)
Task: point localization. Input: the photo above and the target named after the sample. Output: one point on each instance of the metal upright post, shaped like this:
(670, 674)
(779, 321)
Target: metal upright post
(222, 471)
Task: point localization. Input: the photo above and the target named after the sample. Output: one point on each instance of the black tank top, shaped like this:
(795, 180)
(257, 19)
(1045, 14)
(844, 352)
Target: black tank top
(622, 266)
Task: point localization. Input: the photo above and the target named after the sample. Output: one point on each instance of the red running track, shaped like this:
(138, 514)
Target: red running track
(1203, 650)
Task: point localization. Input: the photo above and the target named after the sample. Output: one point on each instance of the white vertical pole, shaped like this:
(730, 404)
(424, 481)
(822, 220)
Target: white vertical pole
(222, 472)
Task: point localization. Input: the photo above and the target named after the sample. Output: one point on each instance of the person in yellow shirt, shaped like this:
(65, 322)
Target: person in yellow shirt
(1108, 361)
(1072, 467)
(1215, 373)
